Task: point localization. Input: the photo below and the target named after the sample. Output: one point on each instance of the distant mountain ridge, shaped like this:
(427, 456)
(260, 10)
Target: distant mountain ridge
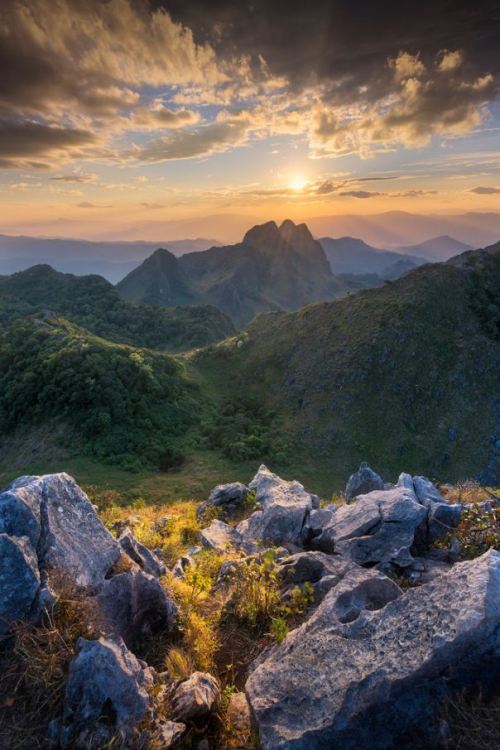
(113, 260)
(350, 255)
(436, 248)
(273, 268)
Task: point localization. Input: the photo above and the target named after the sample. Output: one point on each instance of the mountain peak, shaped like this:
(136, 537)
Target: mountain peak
(298, 236)
(262, 235)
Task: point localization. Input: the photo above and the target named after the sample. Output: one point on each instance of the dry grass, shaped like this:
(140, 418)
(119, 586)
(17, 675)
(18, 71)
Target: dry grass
(34, 665)
(474, 722)
(468, 491)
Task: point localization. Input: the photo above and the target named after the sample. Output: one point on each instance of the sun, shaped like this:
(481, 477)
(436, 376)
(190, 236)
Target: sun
(298, 183)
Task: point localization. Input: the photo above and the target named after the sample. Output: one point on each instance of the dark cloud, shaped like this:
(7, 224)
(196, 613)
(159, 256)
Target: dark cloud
(485, 190)
(360, 194)
(343, 42)
(27, 139)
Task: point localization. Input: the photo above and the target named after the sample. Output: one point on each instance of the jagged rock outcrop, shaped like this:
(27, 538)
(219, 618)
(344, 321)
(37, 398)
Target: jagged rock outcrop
(377, 528)
(378, 680)
(106, 693)
(364, 480)
(140, 554)
(195, 697)
(285, 509)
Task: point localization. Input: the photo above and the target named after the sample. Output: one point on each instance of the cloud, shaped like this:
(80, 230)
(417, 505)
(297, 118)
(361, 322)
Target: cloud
(424, 103)
(93, 54)
(210, 139)
(21, 141)
(76, 177)
(161, 117)
(449, 60)
(406, 66)
(485, 190)
(88, 204)
(360, 194)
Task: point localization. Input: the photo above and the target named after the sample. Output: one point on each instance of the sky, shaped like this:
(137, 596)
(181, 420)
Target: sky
(128, 119)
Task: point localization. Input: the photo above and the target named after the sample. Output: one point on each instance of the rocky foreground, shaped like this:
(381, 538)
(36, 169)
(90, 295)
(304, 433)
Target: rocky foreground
(394, 624)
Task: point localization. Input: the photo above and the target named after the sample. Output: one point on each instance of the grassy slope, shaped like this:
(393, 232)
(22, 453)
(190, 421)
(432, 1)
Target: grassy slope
(390, 375)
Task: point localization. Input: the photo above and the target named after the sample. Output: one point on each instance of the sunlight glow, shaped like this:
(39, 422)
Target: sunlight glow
(298, 183)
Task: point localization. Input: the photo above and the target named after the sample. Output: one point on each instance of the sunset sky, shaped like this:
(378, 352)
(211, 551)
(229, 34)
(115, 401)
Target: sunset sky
(119, 117)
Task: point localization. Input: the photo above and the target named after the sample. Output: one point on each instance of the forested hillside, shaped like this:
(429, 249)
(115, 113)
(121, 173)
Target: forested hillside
(92, 302)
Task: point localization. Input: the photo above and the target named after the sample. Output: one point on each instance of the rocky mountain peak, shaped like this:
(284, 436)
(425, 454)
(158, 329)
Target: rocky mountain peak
(263, 236)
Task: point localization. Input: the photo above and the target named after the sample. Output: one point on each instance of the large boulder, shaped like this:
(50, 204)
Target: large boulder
(135, 605)
(195, 697)
(19, 580)
(363, 481)
(220, 536)
(285, 510)
(106, 693)
(377, 681)
(378, 528)
(140, 554)
(72, 544)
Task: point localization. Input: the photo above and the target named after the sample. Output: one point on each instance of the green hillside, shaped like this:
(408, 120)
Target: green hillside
(128, 406)
(94, 303)
(404, 375)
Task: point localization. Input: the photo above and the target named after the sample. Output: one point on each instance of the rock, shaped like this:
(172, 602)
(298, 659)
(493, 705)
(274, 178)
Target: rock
(185, 562)
(72, 544)
(239, 720)
(367, 587)
(378, 527)
(133, 606)
(426, 491)
(363, 481)
(170, 733)
(140, 554)
(220, 536)
(285, 510)
(312, 566)
(19, 580)
(20, 509)
(106, 691)
(378, 681)
(315, 523)
(441, 519)
(195, 697)
(229, 498)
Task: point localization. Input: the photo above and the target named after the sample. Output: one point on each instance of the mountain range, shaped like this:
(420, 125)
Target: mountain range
(406, 371)
(349, 255)
(113, 260)
(273, 268)
(403, 373)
